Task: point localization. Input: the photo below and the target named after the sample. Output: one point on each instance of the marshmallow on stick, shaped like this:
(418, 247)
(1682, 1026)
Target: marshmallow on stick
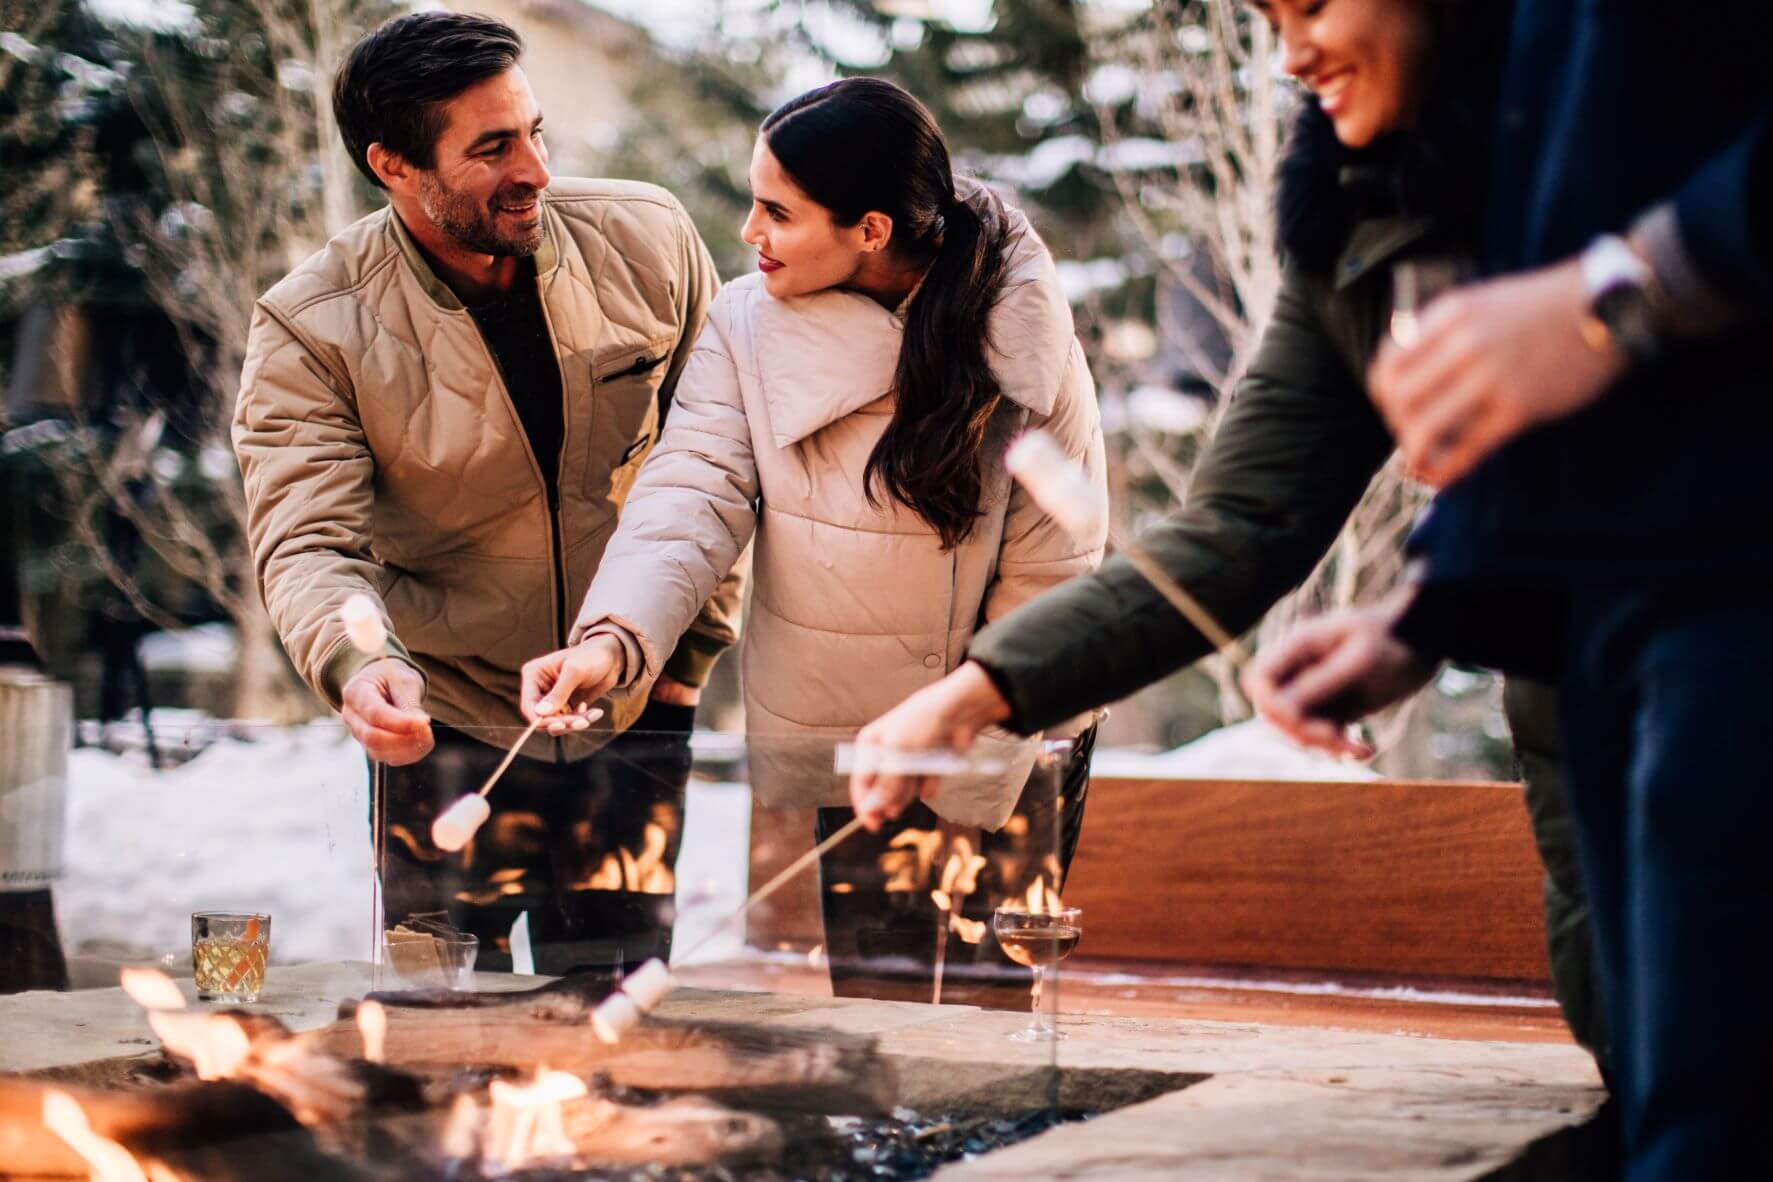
(1061, 487)
(1058, 484)
(463, 819)
(363, 623)
(639, 994)
(615, 1016)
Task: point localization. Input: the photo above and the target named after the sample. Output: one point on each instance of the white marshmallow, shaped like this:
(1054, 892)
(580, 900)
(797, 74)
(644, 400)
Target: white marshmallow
(460, 821)
(615, 1016)
(1058, 485)
(363, 624)
(649, 985)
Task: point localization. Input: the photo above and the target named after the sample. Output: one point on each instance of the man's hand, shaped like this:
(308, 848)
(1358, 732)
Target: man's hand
(383, 704)
(1489, 361)
(947, 715)
(562, 685)
(668, 691)
(1335, 669)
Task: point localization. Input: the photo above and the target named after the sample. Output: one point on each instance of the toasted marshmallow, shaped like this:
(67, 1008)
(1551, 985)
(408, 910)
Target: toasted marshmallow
(649, 985)
(363, 624)
(615, 1016)
(460, 821)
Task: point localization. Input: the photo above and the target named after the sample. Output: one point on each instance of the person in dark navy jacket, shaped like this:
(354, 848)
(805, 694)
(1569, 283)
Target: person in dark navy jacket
(1600, 407)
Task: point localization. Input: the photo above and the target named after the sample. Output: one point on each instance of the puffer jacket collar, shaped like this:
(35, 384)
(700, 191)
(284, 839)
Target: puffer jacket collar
(547, 257)
(825, 356)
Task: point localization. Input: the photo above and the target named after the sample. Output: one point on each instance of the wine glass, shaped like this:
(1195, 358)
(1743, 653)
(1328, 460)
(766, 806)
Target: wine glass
(1039, 940)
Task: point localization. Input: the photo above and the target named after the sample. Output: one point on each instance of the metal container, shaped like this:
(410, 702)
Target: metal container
(36, 730)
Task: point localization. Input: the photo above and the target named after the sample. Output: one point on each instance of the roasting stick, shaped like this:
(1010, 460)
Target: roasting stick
(1059, 486)
(644, 988)
(1181, 600)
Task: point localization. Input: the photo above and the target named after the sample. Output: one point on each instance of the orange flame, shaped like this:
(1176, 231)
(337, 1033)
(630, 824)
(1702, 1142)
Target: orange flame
(109, 1161)
(909, 858)
(645, 873)
(523, 1127)
(970, 930)
(1043, 899)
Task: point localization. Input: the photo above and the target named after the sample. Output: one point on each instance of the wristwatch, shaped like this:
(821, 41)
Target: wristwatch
(1622, 299)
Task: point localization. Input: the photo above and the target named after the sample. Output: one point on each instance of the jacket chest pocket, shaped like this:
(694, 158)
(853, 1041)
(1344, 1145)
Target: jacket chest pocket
(625, 414)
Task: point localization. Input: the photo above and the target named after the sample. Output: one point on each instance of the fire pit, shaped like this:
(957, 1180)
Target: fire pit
(739, 1077)
(458, 1086)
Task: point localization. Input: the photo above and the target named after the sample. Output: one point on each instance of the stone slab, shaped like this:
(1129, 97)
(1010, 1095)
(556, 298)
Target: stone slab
(1294, 1104)
(40, 1030)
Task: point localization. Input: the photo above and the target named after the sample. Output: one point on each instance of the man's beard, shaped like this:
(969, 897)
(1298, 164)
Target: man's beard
(475, 227)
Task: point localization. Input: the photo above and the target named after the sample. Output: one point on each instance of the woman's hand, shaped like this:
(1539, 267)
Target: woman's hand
(562, 685)
(947, 716)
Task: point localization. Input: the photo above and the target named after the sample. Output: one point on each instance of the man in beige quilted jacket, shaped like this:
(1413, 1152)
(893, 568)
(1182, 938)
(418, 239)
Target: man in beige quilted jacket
(444, 410)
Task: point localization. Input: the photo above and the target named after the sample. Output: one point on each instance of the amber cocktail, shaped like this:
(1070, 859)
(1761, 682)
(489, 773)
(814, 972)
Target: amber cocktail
(228, 951)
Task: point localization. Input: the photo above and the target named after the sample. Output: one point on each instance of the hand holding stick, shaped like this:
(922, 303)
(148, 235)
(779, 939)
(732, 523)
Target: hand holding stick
(459, 822)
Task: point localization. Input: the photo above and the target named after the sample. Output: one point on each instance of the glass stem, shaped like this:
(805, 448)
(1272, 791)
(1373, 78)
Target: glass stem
(1042, 989)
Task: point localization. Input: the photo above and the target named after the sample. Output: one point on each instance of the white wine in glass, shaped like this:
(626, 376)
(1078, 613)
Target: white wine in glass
(1038, 940)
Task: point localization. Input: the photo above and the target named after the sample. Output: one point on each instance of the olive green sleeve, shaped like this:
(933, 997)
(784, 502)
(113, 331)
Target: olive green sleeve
(1291, 458)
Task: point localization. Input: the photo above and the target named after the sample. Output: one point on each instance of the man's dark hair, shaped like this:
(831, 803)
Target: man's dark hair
(394, 82)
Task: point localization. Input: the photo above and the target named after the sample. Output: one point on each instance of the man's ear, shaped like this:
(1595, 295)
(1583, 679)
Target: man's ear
(393, 169)
(877, 230)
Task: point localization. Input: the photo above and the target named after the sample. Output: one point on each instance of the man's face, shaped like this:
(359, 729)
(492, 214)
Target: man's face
(489, 168)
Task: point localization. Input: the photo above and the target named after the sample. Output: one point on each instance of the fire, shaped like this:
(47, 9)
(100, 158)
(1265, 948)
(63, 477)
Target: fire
(960, 876)
(644, 873)
(970, 930)
(110, 1162)
(1042, 899)
(152, 989)
(909, 858)
(372, 1021)
(523, 1127)
(216, 1045)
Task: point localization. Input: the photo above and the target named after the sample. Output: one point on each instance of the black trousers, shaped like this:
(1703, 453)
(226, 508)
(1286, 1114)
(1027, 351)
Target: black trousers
(882, 925)
(30, 946)
(1669, 743)
(588, 849)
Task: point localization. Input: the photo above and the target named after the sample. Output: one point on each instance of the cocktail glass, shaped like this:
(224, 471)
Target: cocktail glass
(228, 953)
(1039, 940)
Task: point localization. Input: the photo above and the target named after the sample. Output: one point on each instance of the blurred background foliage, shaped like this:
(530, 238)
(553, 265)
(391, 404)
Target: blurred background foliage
(167, 161)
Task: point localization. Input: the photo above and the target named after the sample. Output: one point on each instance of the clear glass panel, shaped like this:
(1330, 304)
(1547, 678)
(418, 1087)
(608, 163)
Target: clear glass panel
(809, 1009)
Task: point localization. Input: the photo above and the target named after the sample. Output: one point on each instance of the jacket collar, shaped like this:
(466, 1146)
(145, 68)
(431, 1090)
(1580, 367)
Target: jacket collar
(547, 256)
(1374, 242)
(825, 356)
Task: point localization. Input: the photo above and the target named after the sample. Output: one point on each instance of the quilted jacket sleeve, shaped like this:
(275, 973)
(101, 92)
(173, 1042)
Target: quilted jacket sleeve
(688, 518)
(308, 478)
(716, 627)
(1037, 552)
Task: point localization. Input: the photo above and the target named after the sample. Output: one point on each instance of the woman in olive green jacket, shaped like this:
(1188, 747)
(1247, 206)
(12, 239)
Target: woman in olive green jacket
(1377, 187)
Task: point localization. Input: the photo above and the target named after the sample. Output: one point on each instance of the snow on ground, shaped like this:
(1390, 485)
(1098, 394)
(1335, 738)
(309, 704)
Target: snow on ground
(280, 823)
(1243, 751)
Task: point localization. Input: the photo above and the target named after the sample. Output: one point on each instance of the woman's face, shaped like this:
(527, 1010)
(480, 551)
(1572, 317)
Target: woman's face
(1365, 60)
(799, 248)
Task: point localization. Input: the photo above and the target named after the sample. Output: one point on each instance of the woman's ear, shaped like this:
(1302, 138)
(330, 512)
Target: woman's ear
(877, 231)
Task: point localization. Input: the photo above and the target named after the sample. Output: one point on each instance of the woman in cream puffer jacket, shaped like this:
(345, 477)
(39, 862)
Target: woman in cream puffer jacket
(922, 329)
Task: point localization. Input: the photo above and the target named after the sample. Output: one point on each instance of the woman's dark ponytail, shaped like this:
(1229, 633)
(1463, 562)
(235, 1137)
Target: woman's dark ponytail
(865, 144)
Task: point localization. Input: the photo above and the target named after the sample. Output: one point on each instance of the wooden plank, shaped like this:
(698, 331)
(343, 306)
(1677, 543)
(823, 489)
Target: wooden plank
(1404, 878)
(1393, 877)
